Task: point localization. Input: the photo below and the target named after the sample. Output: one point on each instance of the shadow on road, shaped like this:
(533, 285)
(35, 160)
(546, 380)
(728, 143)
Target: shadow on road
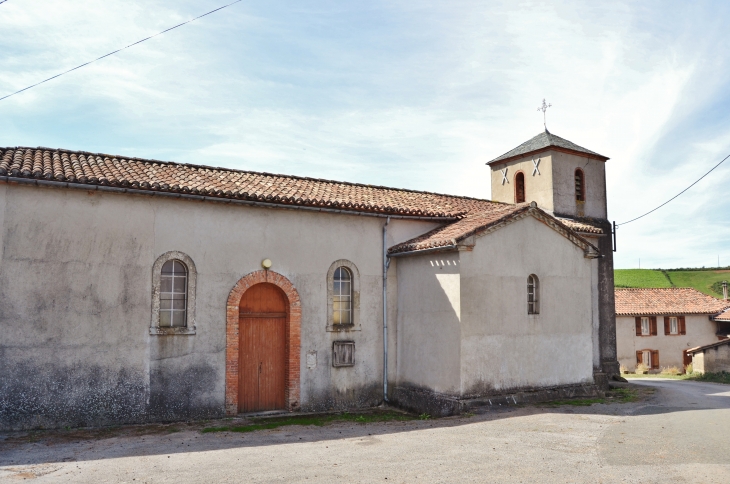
(657, 398)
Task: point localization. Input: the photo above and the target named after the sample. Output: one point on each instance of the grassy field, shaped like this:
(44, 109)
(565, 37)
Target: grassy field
(705, 281)
(640, 278)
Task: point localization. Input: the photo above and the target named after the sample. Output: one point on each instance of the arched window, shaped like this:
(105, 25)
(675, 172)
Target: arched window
(173, 294)
(580, 186)
(342, 296)
(519, 187)
(533, 294)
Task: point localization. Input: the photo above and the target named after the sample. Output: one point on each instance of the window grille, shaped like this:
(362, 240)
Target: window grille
(342, 297)
(533, 295)
(173, 294)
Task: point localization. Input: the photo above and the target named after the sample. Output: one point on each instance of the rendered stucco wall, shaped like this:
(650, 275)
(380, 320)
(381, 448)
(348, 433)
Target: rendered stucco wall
(716, 359)
(700, 331)
(428, 322)
(502, 346)
(538, 188)
(564, 203)
(75, 303)
(554, 188)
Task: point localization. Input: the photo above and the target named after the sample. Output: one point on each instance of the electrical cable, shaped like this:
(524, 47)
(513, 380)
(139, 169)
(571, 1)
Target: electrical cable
(116, 51)
(3, 1)
(678, 194)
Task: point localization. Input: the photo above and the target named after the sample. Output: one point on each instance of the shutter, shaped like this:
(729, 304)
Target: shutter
(666, 324)
(652, 325)
(654, 359)
(638, 357)
(682, 327)
(638, 326)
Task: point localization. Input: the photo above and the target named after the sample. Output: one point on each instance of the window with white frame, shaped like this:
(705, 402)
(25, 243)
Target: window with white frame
(673, 325)
(173, 294)
(645, 327)
(533, 294)
(343, 296)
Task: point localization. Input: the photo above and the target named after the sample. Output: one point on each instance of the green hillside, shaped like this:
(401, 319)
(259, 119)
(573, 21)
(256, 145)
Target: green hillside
(706, 281)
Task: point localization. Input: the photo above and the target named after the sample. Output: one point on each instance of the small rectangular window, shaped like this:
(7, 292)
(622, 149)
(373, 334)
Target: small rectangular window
(645, 331)
(343, 353)
(673, 325)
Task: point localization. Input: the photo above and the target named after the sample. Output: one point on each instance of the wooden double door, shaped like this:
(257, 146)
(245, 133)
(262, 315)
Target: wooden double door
(263, 349)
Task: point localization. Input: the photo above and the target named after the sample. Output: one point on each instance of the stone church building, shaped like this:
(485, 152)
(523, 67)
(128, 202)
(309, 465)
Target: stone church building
(135, 290)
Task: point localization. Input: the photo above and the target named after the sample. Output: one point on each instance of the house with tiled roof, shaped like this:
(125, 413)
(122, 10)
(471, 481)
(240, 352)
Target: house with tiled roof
(139, 290)
(657, 327)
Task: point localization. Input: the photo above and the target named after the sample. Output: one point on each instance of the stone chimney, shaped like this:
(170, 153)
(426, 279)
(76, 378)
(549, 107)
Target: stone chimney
(724, 290)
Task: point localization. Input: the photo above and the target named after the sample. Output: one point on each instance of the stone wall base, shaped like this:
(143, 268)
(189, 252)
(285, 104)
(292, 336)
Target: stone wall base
(421, 400)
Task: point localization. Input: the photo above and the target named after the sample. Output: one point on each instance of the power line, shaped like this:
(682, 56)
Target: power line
(678, 194)
(116, 51)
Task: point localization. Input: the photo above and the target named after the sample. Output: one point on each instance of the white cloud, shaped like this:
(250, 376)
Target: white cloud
(397, 93)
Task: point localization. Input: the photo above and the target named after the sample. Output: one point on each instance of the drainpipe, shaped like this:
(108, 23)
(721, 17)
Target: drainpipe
(386, 264)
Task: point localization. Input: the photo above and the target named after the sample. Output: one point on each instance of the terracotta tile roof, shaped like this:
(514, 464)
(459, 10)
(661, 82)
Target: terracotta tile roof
(723, 317)
(450, 235)
(546, 140)
(673, 300)
(582, 226)
(120, 171)
(477, 222)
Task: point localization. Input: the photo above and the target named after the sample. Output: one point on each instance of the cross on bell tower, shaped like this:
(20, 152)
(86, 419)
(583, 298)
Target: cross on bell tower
(544, 109)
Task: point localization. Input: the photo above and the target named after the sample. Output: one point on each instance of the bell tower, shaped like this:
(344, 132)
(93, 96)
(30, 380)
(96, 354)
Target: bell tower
(559, 175)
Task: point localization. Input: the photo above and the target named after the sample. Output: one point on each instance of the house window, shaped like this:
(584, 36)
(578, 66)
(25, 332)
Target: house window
(519, 187)
(650, 358)
(645, 331)
(533, 295)
(580, 186)
(343, 296)
(173, 294)
(674, 325)
(646, 326)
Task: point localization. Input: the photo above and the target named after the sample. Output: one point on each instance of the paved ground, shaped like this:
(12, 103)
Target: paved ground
(681, 433)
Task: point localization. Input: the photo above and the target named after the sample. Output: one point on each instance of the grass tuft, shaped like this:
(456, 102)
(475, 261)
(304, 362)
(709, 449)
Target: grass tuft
(305, 420)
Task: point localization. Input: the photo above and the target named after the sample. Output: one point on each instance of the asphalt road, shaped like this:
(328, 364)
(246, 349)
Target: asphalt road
(681, 433)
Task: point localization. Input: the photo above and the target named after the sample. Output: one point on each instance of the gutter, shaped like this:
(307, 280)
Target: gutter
(444, 248)
(386, 264)
(203, 198)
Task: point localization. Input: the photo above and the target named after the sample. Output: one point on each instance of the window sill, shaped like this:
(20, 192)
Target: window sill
(335, 328)
(160, 331)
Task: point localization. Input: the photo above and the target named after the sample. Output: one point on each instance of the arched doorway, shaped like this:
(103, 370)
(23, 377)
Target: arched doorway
(236, 326)
(263, 314)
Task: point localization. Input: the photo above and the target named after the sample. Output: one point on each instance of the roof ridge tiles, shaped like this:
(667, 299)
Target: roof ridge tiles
(235, 170)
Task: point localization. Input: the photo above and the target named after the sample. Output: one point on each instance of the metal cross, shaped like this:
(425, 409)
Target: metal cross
(544, 108)
(504, 176)
(535, 164)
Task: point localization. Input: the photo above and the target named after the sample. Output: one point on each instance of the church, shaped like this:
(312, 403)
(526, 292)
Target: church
(137, 290)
